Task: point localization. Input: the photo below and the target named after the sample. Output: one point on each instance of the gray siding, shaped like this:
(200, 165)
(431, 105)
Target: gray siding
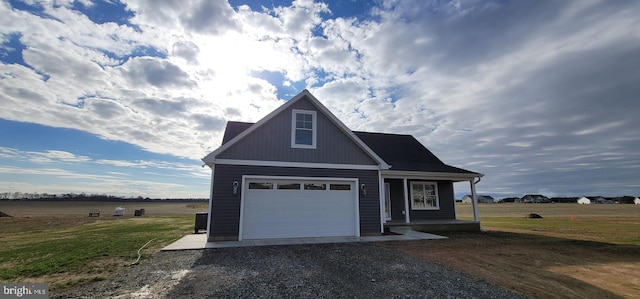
(225, 209)
(447, 208)
(272, 142)
(445, 195)
(396, 193)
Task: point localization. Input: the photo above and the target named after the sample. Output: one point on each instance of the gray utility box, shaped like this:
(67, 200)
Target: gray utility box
(201, 221)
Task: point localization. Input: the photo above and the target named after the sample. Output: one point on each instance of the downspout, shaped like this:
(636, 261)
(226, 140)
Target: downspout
(406, 201)
(474, 199)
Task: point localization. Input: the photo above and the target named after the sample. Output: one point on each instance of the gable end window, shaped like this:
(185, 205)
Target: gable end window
(303, 129)
(424, 196)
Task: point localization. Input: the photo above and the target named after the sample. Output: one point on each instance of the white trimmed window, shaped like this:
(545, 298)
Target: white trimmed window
(424, 196)
(303, 129)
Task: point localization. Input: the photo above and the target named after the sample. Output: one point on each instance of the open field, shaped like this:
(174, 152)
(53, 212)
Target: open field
(595, 255)
(57, 243)
(82, 208)
(614, 223)
(562, 210)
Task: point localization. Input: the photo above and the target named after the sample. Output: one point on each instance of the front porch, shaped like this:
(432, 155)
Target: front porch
(436, 226)
(425, 204)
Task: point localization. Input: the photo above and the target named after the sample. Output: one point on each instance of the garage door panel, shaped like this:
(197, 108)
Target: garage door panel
(303, 219)
(274, 213)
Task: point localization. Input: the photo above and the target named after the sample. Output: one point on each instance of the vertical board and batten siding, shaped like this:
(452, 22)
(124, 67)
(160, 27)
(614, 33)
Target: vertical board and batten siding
(272, 142)
(447, 203)
(225, 208)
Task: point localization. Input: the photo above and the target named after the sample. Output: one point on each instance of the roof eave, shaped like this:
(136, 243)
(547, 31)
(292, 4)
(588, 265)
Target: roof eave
(449, 176)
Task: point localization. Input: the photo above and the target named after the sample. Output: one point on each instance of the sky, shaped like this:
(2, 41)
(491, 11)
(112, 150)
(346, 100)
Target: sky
(126, 97)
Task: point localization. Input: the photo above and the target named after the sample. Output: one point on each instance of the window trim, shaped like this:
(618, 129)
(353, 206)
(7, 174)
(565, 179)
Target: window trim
(314, 131)
(423, 183)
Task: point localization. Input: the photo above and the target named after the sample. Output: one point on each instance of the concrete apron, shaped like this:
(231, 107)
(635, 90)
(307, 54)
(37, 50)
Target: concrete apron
(199, 241)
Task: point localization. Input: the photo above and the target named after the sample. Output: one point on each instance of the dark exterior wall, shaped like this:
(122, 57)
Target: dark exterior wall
(272, 142)
(225, 208)
(447, 203)
(397, 198)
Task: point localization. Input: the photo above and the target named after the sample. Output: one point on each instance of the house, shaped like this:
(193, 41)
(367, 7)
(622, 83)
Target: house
(510, 199)
(596, 200)
(534, 198)
(300, 172)
(584, 201)
(480, 198)
(602, 200)
(636, 201)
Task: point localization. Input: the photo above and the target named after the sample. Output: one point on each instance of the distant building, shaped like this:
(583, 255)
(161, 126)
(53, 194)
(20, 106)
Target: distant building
(584, 201)
(595, 200)
(636, 201)
(479, 198)
(606, 201)
(534, 198)
(510, 199)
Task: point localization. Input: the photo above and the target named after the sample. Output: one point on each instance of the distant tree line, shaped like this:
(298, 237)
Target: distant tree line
(83, 197)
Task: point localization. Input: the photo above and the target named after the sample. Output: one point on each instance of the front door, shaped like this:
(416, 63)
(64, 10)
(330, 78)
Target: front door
(387, 202)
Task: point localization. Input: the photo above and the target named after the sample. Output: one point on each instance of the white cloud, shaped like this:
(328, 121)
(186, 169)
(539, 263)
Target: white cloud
(158, 72)
(211, 17)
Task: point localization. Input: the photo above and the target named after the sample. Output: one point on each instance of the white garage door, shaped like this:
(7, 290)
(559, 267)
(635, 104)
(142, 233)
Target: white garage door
(278, 208)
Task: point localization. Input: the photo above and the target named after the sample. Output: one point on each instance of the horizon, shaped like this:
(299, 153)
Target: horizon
(61, 196)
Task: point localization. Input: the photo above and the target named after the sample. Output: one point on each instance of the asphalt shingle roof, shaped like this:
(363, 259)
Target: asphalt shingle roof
(404, 152)
(234, 128)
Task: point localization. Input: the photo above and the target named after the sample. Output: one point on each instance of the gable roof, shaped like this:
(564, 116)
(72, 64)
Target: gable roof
(401, 152)
(244, 129)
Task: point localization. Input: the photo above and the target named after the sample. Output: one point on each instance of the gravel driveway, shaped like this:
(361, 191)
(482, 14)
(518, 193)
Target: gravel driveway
(348, 270)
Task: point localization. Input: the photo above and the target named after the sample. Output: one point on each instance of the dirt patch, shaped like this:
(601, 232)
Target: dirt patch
(538, 266)
(4, 214)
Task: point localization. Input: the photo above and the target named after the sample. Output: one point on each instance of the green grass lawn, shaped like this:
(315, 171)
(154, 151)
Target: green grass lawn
(70, 250)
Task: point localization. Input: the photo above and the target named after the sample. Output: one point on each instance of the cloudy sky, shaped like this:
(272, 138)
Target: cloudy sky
(125, 97)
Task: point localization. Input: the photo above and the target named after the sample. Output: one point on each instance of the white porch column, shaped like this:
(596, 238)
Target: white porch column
(381, 190)
(406, 201)
(474, 200)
